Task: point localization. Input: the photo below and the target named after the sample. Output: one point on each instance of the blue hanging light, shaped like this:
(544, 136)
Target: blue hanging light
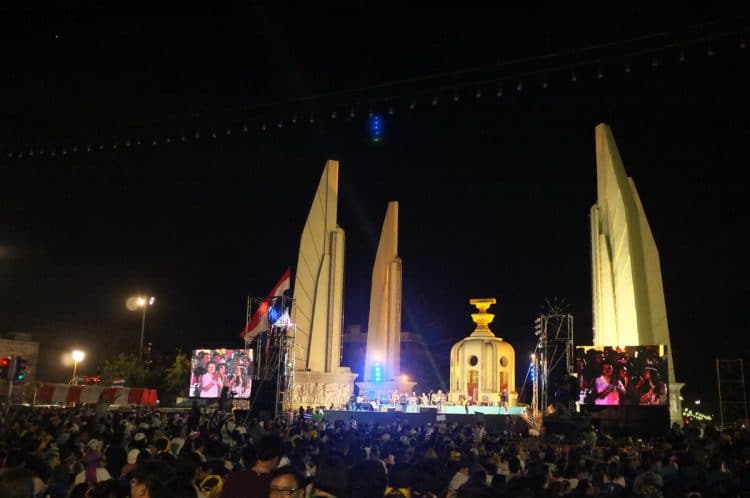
(376, 128)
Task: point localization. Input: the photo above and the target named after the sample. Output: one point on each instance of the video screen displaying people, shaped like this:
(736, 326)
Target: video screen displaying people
(213, 369)
(617, 376)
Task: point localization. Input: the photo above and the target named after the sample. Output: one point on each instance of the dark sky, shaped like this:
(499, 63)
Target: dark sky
(494, 192)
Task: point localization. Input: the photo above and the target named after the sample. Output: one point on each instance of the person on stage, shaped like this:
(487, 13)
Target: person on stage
(210, 382)
(649, 389)
(241, 383)
(625, 386)
(606, 392)
(504, 398)
(440, 398)
(223, 375)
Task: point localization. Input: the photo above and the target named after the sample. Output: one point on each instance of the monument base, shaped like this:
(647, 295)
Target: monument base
(321, 389)
(675, 402)
(376, 391)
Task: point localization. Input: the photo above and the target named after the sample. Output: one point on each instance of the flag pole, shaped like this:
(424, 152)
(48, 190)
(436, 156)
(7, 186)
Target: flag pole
(247, 322)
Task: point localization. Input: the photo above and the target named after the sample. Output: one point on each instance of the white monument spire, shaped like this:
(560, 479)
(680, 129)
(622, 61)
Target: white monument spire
(318, 302)
(628, 293)
(384, 324)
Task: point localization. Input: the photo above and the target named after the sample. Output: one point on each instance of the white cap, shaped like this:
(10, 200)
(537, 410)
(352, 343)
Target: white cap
(95, 445)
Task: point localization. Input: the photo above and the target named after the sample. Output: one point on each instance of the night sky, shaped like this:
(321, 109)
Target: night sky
(494, 191)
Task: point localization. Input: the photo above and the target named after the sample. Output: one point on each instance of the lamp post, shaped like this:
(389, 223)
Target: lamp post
(77, 355)
(141, 302)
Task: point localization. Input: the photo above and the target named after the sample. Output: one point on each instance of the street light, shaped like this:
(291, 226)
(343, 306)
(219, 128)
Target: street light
(141, 302)
(77, 355)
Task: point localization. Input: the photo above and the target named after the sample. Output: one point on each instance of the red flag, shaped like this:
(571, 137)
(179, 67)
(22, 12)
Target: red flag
(259, 321)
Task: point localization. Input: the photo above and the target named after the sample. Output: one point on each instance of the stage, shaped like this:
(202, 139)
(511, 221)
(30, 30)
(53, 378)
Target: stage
(443, 409)
(494, 418)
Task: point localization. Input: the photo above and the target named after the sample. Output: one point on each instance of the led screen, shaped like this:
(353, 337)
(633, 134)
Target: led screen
(622, 375)
(213, 369)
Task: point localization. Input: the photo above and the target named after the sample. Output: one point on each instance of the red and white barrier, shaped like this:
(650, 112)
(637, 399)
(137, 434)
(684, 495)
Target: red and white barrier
(48, 394)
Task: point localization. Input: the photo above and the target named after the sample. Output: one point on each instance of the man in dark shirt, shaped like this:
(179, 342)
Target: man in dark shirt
(255, 482)
(115, 455)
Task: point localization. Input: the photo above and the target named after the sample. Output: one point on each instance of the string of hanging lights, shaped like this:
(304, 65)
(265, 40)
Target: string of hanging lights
(573, 67)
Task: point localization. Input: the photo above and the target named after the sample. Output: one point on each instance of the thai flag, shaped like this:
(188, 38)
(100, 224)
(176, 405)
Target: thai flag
(270, 310)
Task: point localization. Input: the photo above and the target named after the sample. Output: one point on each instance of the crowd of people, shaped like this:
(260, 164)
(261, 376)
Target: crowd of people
(86, 452)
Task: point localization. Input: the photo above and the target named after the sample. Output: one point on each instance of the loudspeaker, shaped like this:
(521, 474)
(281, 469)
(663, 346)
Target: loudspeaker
(428, 409)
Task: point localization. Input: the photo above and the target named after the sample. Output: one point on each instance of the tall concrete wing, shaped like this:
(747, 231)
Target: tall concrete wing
(628, 294)
(384, 324)
(318, 302)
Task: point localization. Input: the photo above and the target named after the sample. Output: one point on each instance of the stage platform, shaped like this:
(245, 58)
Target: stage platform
(450, 409)
(494, 419)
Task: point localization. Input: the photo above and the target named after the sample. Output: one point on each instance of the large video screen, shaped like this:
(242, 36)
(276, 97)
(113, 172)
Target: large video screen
(214, 369)
(622, 375)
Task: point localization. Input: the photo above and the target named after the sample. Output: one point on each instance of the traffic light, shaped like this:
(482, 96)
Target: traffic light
(5, 368)
(538, 326)
(377, 372)
(20, 374)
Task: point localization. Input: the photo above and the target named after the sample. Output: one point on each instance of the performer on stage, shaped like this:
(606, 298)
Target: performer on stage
(423, 399)
(625, 386)
(440, 398)
(606, 392)
(403, 402)
(649, 389)
(504, 398)
(241, 383)
(210, 382)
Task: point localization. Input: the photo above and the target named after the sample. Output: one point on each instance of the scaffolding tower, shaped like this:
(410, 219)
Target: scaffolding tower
(273, 355)
(555, 352)
(730, 379)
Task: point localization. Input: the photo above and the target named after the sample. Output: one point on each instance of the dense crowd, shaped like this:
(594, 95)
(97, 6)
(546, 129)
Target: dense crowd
(93, 452)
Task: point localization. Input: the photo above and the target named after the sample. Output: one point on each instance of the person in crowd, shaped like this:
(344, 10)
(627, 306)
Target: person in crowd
(255, 481)
(460, 478)
(151, 479)
(330, 476)
(400, 478)
(94, 470)
(105, 489)
(287, 482)
(367, 479)
(16, 483)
